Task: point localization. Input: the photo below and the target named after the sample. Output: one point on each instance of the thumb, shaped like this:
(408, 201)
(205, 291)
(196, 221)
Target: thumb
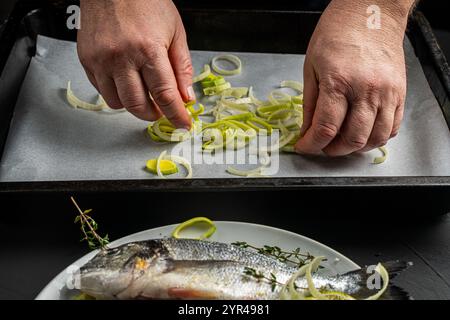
(180, 59)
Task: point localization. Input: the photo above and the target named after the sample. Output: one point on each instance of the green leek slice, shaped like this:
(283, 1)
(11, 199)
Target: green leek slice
(227, 57)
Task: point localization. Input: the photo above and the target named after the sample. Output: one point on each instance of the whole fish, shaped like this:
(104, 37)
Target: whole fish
(193, 269)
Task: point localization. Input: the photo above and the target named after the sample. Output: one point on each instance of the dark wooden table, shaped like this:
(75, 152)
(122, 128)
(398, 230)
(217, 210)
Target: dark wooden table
(38, 238)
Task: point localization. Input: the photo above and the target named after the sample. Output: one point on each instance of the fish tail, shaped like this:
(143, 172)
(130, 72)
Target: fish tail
(395, 267)
(392, 292)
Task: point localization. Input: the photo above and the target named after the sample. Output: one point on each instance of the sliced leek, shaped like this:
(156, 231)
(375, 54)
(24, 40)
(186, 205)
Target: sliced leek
(191, 223)
(212, 91)
(77, 103)
(202, 76)
(227, 57)
(167, 167)
(380, 160)
(298, 86)
(245, 173)
(180, 160)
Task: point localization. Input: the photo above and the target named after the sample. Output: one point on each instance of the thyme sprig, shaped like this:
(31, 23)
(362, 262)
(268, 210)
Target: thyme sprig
(258, 275)
(271, 279)
(295, 256)
(89, 228)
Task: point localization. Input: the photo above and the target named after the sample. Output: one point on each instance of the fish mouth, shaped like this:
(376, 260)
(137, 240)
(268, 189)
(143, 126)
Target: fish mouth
(103, 285)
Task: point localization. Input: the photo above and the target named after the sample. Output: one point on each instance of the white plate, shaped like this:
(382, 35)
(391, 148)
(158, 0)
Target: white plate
(227, 232)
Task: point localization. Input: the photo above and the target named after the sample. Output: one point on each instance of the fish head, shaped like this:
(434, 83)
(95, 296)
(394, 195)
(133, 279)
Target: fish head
(113, 272)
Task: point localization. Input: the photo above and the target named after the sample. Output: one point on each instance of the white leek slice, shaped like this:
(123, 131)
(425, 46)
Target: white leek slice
(284, 141)
(298, 86)
(282, 114)
(312, 267)
(158, 165)
(76, 103)
(107, 109)
(236, 92)
(228, 57)
(277, 97)
(184, 162)
(100, 106)
(245, 173)
(180, 160)
(202, 76)
(380, 160)
(172, 137)
(212, 91)
(288, 291)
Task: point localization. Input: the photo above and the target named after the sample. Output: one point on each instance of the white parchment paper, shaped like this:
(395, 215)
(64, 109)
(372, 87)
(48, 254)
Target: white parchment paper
(50, 141)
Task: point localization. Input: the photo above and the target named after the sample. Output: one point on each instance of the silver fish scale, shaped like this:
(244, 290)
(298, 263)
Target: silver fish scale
(187, 249)
(197, 268)
(231, 277)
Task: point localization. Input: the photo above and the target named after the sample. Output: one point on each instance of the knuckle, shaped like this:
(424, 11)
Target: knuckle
(355, 142)
(150, 49)
(164, 96)
(337, 84)
(186, 68)
(378, 141)
(113, 53)
(325, 131)
(132, 103)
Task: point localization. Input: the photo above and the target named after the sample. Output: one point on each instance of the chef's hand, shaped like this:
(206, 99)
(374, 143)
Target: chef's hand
(131, 48)
(354, 78)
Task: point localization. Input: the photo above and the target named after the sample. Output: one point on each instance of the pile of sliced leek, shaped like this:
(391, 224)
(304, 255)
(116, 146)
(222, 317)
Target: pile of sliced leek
(238, 117)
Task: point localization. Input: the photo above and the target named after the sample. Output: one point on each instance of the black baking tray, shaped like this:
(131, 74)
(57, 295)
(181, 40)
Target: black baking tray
(241, 29)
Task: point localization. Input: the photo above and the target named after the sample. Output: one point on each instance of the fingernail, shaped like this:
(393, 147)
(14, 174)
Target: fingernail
(188, 126)
(191, 93)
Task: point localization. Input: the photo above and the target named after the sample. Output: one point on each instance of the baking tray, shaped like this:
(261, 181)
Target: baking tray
(238, 33)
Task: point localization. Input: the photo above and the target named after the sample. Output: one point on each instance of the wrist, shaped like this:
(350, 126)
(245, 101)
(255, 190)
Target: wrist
(393, 15)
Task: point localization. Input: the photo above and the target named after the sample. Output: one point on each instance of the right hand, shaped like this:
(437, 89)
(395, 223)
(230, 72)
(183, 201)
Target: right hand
(132, 48)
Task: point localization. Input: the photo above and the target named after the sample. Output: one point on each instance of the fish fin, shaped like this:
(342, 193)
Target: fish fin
(392, 292)
(190, 294)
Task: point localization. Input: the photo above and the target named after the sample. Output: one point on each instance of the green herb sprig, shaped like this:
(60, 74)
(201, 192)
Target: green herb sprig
(258, 275)
(89, 229)
(271, 279)
(295, 256)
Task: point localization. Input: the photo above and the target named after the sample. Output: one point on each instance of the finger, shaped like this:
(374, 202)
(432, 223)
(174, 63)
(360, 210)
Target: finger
(355, 131)
(382, 128)
(398, 117)
(92, 79)
(310, 94)
(107, 89)
(160, 80)
(326, 123)
(180, 59)
(134, 96)
(384, 122)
